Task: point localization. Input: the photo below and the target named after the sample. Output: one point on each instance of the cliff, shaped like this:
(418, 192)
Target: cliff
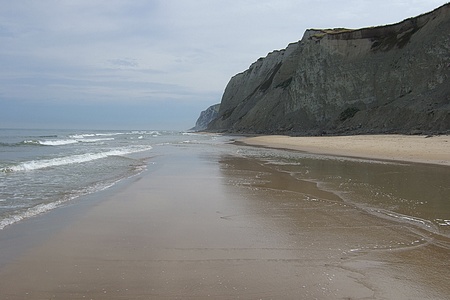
(393, 78)
(206, 117)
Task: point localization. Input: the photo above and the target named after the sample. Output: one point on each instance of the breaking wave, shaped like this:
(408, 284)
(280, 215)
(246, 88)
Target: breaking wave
(72, 159)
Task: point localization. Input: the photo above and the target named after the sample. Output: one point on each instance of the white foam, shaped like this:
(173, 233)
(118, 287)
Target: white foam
(75, 139)
(154, 133)
(43, 208)
(72, 159)
(442, 222)
(410, 219)
(89, 135)
(57, 142)
(81, 136)
(95, 140)
(109, 134)
(31, 212)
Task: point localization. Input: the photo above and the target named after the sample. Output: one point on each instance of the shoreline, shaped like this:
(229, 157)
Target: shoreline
(405, 148)
(202, 223)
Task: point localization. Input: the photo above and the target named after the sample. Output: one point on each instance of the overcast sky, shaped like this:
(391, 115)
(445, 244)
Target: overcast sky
(151, 64)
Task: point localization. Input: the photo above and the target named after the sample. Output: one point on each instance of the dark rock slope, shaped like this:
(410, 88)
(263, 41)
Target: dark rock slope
(387, 79)
(206, 117)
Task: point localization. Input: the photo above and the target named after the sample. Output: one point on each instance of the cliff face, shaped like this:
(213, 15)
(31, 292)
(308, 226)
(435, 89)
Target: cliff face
(393, 78)
(206, 117)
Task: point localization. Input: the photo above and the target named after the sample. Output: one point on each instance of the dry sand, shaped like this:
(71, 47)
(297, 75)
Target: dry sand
(432, 150)
(206, 225)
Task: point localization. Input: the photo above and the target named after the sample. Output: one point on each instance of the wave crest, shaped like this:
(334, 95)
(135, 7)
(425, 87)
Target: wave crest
(72, 159)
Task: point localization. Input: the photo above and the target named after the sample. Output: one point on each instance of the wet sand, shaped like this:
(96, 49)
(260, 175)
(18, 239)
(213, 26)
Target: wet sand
(205, 223)
(411, 148)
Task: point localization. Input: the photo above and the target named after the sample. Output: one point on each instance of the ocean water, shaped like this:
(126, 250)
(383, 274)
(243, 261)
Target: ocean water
(41, 170)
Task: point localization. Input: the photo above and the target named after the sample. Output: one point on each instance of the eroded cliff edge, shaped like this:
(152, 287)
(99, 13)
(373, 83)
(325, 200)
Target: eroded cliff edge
(392, 78)
(206, 117)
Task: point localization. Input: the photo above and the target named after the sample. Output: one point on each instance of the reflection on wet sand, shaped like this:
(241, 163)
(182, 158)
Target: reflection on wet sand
(227, 222)
(295, 200)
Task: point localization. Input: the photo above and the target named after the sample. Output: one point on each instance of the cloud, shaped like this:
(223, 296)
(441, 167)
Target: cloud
(143, 51)
(118, 62)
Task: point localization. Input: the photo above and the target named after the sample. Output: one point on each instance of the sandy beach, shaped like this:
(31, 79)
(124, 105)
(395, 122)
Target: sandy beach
(432, 150)
(204, 223)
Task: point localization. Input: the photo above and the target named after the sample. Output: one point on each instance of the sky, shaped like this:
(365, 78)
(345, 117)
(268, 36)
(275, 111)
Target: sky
(151, 64)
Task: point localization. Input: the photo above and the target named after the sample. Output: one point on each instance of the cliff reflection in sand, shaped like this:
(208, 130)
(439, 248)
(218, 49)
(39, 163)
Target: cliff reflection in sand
(379, 219)
(418, 193)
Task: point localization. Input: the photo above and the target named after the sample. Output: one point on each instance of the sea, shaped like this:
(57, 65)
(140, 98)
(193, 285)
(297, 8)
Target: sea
(41, 170)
